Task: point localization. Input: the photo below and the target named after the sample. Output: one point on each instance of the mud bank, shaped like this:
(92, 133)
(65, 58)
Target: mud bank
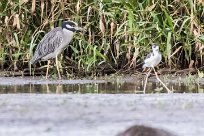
(99, 114)
(168, 79)
(40, 80)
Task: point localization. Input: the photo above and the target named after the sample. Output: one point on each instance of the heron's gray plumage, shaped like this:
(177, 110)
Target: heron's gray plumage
(54, 42)
(50, 42)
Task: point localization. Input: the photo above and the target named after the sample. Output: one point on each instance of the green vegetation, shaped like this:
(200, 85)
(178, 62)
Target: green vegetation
(119, 33)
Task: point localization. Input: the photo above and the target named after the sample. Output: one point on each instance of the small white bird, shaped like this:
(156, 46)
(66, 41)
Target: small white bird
(153, 58)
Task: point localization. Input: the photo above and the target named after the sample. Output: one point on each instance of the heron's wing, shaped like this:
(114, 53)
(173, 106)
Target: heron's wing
(50, 42)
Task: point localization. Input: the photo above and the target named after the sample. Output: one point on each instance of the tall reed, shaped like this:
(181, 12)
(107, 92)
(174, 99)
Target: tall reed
(118, 34)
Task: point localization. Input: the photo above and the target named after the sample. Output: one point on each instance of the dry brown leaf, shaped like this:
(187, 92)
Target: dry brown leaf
(128, 56)
(196, 30)
(22, 1)
(17, 21)
(33, 6)
(112, 28)
(191, 64)
(53, 13)
(201, 47)
(102, 24)
(6, 21)
(78, 6)
(12, 3)
(134, 58)
(150, 8)
(175, 51)
(14, 21)
(117, 47)
(90, 35)
(62, 4)
(200, 2)
(42, 5)
(125, 26)
(177, 1)
(88, 13)
(128, 53)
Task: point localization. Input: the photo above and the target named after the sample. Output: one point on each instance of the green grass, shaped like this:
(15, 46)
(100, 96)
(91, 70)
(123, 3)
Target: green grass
(119, 33)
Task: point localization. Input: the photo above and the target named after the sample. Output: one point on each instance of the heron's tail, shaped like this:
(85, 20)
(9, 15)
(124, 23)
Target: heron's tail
(34, 60)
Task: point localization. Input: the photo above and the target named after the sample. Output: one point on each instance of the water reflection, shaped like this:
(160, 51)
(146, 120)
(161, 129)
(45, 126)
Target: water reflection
(109, 87)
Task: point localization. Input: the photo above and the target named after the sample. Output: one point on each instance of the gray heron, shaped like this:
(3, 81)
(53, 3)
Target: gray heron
(54, 42)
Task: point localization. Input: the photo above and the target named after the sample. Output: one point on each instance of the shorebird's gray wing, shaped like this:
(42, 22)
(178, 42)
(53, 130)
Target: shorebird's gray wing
(148, 56)
(147, 59)
(50, 42)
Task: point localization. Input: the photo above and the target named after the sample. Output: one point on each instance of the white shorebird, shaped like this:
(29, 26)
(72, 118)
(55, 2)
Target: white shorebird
(153, 58)
(54, 42)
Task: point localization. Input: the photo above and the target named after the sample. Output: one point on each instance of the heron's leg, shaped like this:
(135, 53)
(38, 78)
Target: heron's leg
(48, 65)
(57, 65)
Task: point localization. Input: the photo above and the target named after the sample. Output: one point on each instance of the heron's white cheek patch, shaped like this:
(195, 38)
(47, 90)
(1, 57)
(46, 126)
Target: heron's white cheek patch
(68, 26)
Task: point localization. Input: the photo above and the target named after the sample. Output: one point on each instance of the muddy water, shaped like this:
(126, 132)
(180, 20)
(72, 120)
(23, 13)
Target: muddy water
(103, 87)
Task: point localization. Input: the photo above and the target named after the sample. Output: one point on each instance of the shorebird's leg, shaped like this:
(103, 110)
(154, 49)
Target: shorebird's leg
(168, 90)
(48, 65)
(145, 84)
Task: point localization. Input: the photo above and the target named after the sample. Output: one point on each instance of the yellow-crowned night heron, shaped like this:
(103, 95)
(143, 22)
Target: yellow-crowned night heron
(153, 58)
(54, 42)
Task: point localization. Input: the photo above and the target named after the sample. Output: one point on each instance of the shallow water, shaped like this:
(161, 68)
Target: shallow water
(106, 87)
(106, 108)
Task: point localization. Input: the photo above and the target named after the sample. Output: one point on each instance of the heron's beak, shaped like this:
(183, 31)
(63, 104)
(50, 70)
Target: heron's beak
(80, 29)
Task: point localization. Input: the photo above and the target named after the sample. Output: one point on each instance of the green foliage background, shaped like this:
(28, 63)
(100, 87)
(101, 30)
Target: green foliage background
(119, 32)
